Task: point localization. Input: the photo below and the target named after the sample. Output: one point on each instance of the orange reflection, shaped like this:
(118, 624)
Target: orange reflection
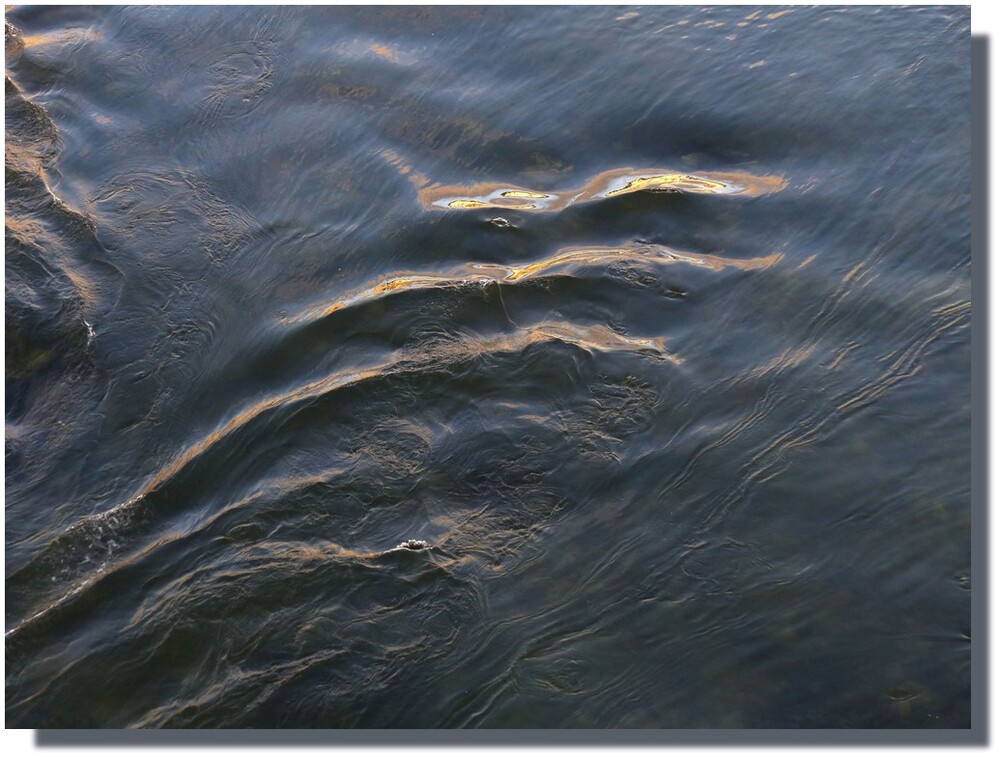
(61, 37)
(480, 274)
(435, 196)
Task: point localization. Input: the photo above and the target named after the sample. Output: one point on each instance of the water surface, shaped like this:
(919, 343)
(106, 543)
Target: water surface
(488, 367)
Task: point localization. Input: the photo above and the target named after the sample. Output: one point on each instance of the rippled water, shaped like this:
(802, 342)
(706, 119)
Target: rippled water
(494, 367)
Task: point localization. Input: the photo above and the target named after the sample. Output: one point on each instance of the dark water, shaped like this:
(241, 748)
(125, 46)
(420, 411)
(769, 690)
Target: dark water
(651, 325)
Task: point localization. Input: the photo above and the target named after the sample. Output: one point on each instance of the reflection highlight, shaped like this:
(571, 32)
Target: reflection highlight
(563, 260)
(603, 186)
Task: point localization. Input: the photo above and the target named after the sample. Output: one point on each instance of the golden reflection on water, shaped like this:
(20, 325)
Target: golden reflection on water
(385, 51)
(671, 182)
(608, 184)
(481, 274)
(61, 37)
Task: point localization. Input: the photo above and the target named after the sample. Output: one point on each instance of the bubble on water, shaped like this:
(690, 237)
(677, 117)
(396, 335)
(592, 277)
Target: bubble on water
(412, 545)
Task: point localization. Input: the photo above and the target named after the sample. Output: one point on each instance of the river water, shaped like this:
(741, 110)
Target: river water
(488, 367)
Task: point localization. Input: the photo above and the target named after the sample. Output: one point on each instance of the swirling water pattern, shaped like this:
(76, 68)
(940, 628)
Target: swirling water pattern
(488, 367)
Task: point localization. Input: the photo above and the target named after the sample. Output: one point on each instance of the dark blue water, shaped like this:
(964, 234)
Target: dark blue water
(488, 367)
